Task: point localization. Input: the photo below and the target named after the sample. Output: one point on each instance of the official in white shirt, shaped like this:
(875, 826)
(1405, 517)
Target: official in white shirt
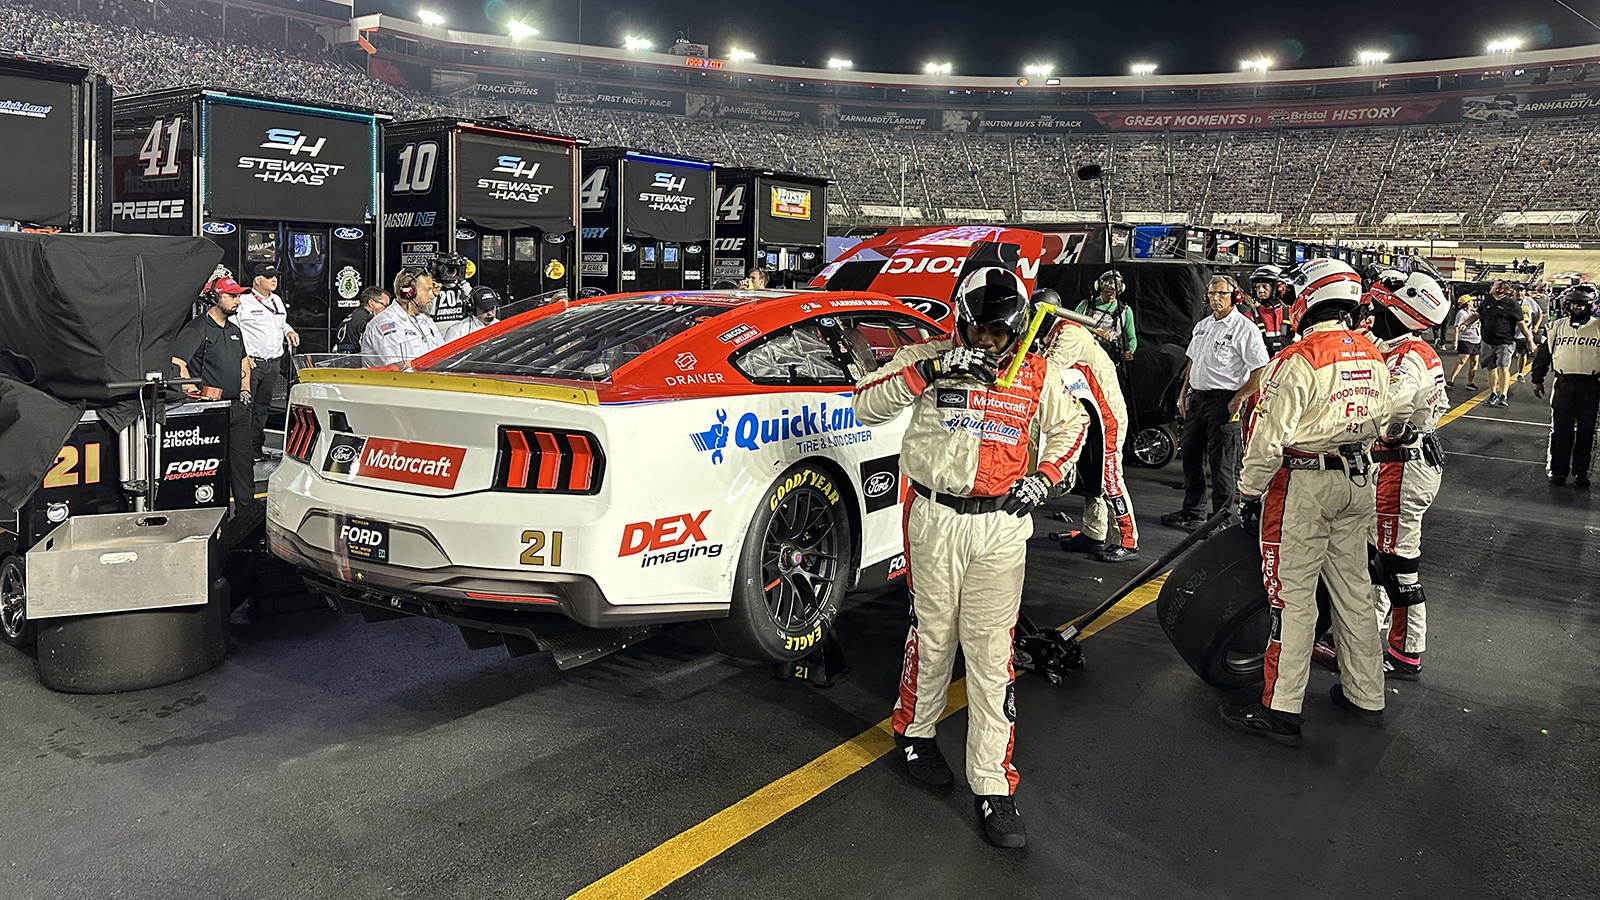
(264, 319)
(406, 329)
(484, 301)
(1226, 358)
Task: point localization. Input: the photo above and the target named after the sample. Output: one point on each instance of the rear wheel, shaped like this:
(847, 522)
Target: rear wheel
(792, 570)
(1214, 609)
(15, 627)
(1155, 447)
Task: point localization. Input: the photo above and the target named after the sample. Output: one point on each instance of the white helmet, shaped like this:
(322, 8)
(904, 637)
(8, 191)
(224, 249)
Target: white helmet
(1419, 302)
(1322, 281)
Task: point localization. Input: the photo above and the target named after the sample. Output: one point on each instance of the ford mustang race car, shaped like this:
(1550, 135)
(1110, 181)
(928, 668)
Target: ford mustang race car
(618, 461)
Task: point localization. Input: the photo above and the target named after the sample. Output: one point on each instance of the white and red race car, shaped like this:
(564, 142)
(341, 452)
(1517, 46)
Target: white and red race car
(620, 461)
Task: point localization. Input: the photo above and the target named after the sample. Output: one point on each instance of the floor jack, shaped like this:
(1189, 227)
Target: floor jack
(1053, 653)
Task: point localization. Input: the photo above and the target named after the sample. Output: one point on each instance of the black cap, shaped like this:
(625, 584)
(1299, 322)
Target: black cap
(264, 270)
(485, 298)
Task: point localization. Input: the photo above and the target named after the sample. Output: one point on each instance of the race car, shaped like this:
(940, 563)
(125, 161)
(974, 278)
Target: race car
(619, 461)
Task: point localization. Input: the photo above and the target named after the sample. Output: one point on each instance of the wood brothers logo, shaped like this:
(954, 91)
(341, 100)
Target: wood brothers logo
(791, 203)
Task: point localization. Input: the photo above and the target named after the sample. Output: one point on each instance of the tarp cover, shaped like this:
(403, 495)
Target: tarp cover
(1167, 297)
(79, 312)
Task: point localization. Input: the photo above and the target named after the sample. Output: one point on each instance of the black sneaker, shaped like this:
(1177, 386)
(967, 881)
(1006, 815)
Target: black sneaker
(1001, 821)
(1117, 554)
(924, 761)
(1471, 386)
(1253, 718)
(1581, 481)
(1082, 543)
(1558, 480)
(1403, 668)
(1370, 717)
(1183, 518)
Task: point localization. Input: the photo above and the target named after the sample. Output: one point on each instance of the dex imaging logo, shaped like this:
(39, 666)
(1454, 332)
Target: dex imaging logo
(516, 167)
(666, 181)
(293, 142)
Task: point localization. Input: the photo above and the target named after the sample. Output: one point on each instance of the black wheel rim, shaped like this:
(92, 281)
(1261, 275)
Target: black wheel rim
(800, 559)
(1152, 446)
(13, 601)
(1246, 650)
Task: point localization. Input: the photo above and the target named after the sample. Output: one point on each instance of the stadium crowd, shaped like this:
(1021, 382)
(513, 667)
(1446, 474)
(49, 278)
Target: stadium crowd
(1470, 174)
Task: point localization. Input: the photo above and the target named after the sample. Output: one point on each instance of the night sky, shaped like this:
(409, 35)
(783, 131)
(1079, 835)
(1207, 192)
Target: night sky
(1079, 38)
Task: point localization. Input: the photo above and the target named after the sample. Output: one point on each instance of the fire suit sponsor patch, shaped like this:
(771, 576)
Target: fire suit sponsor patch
(950, 398)
(1356, 375)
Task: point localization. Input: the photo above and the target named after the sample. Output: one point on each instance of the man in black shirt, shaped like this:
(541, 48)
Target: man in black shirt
(1502, 319)
(211, 348)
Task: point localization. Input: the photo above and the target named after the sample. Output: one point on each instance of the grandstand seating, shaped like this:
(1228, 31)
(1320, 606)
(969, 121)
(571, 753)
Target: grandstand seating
(1310, 179)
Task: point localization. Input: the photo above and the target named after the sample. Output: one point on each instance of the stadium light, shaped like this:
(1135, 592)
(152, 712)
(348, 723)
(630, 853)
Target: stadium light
(1373, 57)
(738, 55)
(1041, 69)
(1505, 45)
(636, 43)
(1144, 68)
(1256, 65)
(937, 68)
(520, 30)
(837, 63)
(429, 17)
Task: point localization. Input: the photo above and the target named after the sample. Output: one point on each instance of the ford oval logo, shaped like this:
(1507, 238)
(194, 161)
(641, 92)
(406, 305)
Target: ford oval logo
(629, 248)
(937, 310)
(879, 484)
(465, 234)
(349, 234)
(555, 239)
(343, 453)
(219, 228)
(692, 248)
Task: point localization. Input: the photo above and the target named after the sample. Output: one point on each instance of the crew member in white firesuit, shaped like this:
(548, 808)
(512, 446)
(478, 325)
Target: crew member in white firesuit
(1091, 378)
(1407, 458)
(1306, 487)
(967, 522)
(482, 303)
(1573, 351)
(405, 330)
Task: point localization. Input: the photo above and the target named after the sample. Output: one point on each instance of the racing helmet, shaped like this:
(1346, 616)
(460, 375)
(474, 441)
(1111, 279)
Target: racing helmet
(992, 296)
(1578, 303)
(1588, 289)
(1266, 274)
(1112, 278)
(1322, 283)
(1418, 301)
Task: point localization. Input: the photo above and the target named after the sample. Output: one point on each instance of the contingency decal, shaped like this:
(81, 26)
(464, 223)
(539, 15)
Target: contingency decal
(880, 482)
(669, 534)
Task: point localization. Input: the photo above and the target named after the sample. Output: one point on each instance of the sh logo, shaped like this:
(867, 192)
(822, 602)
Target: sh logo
(667, 181)
(516, 167)
(292, 141)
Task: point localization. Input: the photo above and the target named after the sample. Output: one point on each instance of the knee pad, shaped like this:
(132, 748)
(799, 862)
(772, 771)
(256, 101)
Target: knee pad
(1397, 575)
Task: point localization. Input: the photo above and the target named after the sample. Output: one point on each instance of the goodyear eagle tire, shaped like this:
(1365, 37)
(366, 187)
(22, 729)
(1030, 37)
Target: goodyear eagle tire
(1214, 609)
(792, 571)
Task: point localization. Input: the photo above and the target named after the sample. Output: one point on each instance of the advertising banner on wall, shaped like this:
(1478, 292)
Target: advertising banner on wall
(1017, 120)
(1387, 112)
(667, 202)
(792, 213)
(267, 163)
(1499, 107)
(504, 184)
(604, 96)
(490, 86)
(40, 152)
(887, 119)
(749, 109)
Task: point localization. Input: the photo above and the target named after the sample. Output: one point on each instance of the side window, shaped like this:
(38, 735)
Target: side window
(799, 354)
(874, 339)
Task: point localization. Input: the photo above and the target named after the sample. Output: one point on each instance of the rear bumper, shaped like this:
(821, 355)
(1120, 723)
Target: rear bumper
(486, 596)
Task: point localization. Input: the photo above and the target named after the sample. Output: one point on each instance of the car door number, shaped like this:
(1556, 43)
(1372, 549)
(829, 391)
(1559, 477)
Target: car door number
(537, 541)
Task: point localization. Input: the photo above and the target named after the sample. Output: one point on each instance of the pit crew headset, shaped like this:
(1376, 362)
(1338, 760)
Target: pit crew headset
(992, 296)
(1113, 279)
(484, 299)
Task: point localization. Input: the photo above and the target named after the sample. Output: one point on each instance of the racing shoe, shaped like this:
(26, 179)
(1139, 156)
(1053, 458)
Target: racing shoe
(1323, 652)
(1372, 718)
(1400, 666)
(1184, 518)
(1002, 824)
(1117, 554)
(924, 761)
(1253, 718)
(1079, 542)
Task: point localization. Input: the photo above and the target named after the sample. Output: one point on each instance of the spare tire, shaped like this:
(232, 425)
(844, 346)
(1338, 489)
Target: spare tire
(130, 651)
(1214, 609)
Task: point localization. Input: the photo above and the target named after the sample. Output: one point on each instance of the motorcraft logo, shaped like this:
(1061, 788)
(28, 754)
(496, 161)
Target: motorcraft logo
(408, 462)
(791, 203)
(291, 171)
(937, 310)
(812, 427)
(26, 110)
(667, 194)
(517, 186)
(188, 437)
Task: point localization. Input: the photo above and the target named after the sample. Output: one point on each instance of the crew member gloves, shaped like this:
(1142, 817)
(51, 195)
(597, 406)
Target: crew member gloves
(1027, 493)
(1250, 513)
(961, 362)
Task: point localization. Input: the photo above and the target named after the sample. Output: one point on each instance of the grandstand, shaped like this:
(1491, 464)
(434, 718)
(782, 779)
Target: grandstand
(1471, 168)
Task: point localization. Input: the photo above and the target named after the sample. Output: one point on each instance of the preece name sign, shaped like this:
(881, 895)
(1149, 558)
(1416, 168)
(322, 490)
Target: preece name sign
(264, 163)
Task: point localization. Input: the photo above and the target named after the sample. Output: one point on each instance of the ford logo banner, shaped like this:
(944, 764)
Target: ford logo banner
(219, 228)
(349, 234)
(465, 234)
(555, 238)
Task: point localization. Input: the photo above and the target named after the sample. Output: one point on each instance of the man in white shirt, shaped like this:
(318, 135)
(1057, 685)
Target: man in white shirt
(405, 330)
(482, 303)
(264, 319)
(1226, 358)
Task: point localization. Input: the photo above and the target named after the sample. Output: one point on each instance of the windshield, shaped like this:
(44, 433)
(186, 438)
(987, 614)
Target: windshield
(585, 342)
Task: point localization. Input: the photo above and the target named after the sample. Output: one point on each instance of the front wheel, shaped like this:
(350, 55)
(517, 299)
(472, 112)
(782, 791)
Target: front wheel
(1155, 447)
(15, 627)
(792, 570)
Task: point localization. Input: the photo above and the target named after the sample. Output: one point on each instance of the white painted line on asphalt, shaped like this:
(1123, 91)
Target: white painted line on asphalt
(1526, 462)
(1509, 421)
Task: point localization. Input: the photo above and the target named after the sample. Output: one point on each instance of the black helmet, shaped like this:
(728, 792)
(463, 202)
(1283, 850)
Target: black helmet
(992, 296)
(1579, 305)
(1268, 274)
(1111, 277)
(484, 298)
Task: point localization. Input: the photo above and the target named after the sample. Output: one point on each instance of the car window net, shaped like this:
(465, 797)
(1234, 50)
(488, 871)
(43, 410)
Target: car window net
(585, 342)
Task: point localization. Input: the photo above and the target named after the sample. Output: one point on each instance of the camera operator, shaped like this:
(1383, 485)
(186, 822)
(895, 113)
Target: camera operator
(264, 320)
(485, 301)
(405, 330)
(212, 348)
(449, 272)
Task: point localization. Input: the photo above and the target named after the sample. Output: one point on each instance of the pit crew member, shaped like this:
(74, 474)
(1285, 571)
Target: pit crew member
(1266, 292)
(1573, 351)
(405, 330)
(1305, 486)
(211, 348)
(483, 301)
(967, 522)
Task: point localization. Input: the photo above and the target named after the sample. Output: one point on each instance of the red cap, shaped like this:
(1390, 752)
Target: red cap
(225, 285)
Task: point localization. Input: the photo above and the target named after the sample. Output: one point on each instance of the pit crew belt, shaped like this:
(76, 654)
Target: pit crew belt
(1398, 454)
(964, 505)
(1330, 461)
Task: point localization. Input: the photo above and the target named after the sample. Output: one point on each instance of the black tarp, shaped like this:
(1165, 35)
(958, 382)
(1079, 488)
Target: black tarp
(40, 152)
(79, 312)
(1167, 297)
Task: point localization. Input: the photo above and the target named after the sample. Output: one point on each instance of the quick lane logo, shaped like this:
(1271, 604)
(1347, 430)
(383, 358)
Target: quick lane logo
(516, 167)
(665, 534)
(343, 452)
(292, 142)
(431, 465)
(26, 110)
(815, 428)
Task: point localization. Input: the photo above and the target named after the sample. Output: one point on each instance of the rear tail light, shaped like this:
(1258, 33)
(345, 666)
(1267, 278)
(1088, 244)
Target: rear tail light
(301, 438)
(549, 461)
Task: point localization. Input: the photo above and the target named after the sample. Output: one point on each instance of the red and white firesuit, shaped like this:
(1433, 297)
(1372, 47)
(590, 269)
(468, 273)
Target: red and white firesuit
(1329, 388)
(1091, 377)
(1407, 484)
(968, 440)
